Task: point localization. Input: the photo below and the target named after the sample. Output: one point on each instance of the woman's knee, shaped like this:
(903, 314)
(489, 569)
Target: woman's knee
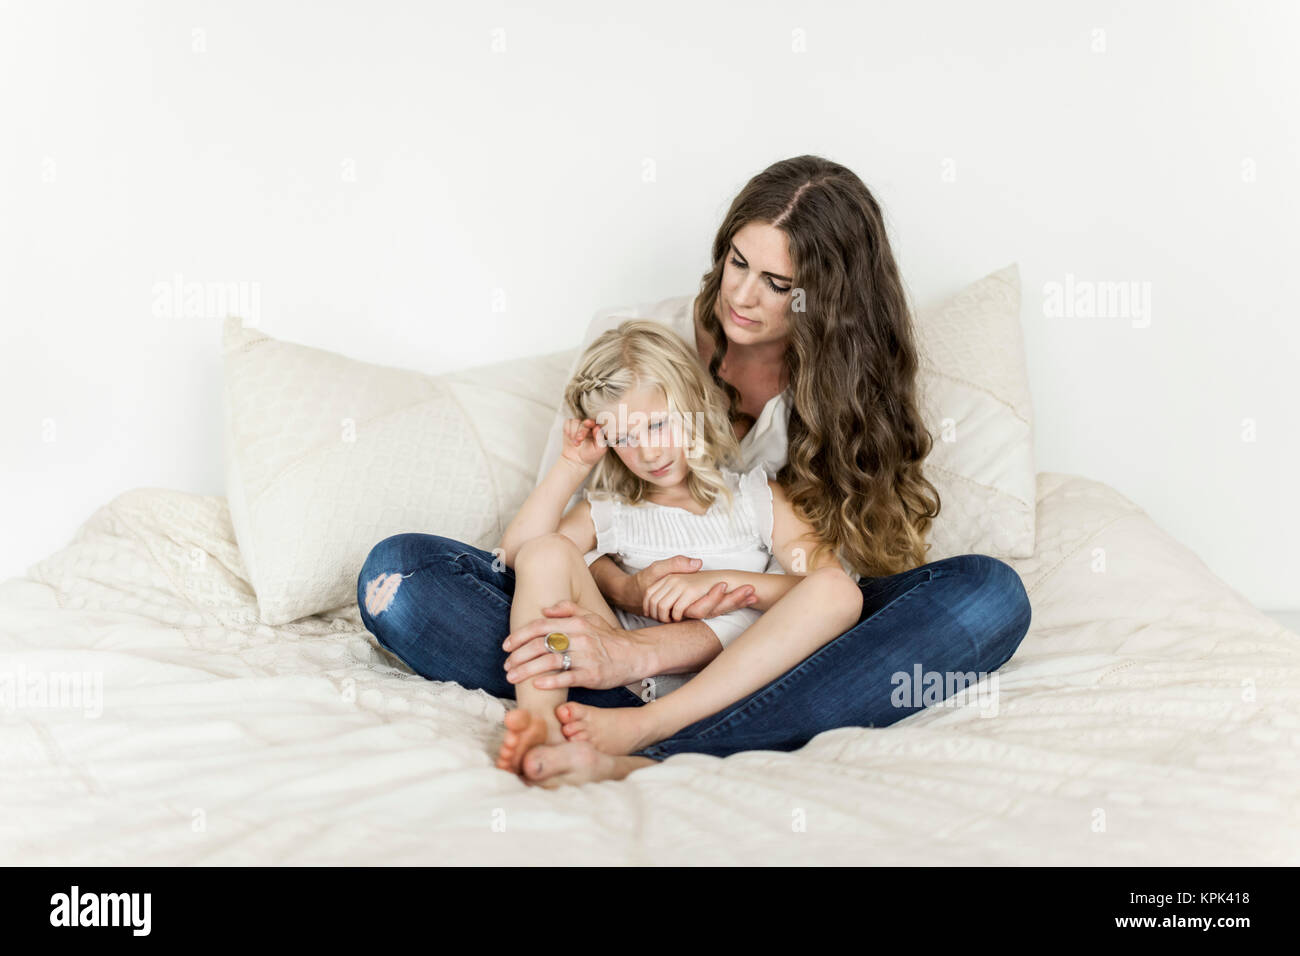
(995, 604)
(390, 561)
(1006, 593)
(399, 550)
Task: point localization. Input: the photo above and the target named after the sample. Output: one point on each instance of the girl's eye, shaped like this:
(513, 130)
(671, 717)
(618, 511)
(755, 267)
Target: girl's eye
(627, 438)
(770, 284)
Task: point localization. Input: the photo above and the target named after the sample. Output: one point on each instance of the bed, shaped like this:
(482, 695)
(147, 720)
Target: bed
(1151, 716)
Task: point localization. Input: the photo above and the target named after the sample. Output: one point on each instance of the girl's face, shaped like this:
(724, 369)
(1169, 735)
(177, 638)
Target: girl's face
(641, 433)
(756, 287)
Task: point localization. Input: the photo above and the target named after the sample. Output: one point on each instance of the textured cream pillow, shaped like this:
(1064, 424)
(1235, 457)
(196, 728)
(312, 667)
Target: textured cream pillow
(326, 456)
(974, 393)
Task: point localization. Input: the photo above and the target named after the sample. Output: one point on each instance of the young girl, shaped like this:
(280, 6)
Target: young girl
(666, 490)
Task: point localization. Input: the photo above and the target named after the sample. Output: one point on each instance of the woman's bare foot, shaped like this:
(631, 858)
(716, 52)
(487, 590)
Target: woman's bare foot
(611, 730)
(524, 731)
(560, 765)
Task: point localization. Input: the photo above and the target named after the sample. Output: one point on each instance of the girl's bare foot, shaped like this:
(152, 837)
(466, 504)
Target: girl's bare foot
(560, 765)
(524, 731)
(611, 730)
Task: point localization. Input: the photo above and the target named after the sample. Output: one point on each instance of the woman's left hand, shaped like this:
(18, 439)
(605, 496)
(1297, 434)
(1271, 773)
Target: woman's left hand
(600, 656)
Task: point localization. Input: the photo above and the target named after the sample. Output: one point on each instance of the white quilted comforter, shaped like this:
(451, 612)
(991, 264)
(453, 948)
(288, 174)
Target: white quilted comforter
(1151, 716)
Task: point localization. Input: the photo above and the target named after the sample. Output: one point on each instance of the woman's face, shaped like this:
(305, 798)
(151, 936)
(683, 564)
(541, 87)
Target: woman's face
(756, 286)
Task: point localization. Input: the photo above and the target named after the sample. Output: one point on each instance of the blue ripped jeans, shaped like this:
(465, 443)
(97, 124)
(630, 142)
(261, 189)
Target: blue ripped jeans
(449, 612)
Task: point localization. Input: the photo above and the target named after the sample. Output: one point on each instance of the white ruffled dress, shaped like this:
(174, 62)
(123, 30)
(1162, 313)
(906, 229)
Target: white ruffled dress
(736, 539)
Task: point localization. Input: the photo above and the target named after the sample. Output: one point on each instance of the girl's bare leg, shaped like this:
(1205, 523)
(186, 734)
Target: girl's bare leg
(548, 570)
(825, 604)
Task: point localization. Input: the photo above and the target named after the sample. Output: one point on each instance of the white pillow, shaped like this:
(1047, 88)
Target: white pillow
(326, 456)
(974, 393)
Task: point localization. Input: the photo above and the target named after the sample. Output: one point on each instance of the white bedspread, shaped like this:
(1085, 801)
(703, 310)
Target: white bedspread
(1151, 716)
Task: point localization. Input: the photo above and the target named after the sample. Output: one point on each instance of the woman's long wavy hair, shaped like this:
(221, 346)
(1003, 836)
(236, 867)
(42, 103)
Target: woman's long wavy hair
(856, 437)
(642, 353)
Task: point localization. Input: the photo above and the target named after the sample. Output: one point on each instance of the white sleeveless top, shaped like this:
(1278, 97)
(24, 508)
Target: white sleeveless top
(739, 538)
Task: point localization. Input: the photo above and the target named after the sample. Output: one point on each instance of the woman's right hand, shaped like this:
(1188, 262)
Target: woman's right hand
(718, 600)
(583, 443)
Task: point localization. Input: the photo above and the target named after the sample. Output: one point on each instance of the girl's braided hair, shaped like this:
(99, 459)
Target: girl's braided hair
(640, 353)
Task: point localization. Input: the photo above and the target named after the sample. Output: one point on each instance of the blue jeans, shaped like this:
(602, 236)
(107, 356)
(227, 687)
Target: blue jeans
(968, 613)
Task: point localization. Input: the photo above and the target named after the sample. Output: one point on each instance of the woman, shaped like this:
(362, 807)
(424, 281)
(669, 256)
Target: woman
(803, 322)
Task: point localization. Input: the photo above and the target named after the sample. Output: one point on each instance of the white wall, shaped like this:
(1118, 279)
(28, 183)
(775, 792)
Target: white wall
(376, 172)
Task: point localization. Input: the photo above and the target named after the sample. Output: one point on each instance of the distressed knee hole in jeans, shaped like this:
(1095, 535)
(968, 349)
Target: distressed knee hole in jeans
(381, 591)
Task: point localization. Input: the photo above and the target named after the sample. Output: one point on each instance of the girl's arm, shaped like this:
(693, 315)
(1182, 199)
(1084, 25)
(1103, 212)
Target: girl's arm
(628, 591)
(543, 510)
(793, 539)
(667, 597)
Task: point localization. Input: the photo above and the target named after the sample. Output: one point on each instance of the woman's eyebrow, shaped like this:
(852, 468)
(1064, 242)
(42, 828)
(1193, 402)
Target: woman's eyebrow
(746, 261)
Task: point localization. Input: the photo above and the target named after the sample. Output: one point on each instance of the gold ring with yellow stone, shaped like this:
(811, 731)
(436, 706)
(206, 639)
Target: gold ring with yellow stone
(557, 642)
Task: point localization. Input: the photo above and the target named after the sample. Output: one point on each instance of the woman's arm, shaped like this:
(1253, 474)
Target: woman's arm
(605, 656)
(679, 648)
(615, 583)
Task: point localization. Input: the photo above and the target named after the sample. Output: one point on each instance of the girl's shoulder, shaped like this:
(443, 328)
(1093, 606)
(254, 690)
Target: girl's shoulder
(601, 501)
(755, 490)
(755, 478)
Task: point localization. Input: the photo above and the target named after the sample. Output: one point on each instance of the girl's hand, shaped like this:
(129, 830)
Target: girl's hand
(668, 598)
(584, 444)
(628, 591)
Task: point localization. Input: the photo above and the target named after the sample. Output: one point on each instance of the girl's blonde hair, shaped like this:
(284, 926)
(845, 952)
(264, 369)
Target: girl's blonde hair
(642, 354)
